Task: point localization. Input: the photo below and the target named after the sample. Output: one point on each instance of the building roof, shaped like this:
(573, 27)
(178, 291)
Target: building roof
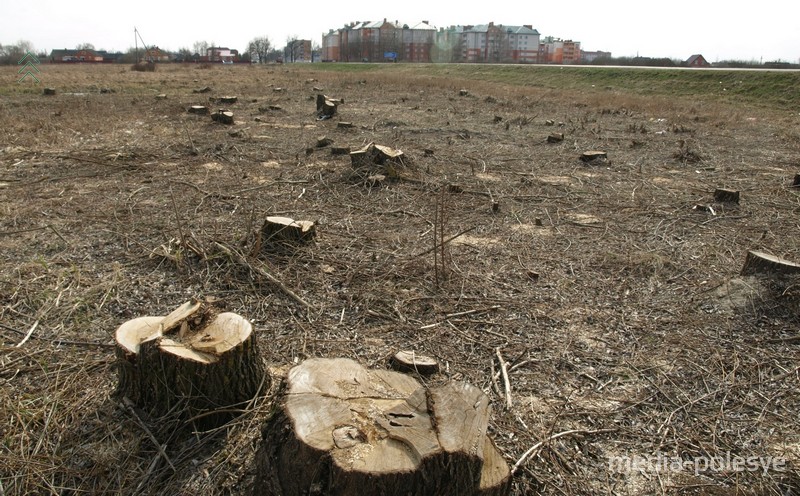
(522, 30)
(483, 28)
(423, 25)
(694, 58)
(58, 53)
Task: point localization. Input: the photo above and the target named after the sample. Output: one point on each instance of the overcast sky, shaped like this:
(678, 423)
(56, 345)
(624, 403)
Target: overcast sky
(767, 30)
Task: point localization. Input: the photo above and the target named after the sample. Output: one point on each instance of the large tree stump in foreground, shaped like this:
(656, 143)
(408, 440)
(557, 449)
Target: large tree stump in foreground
(197, 362)
(346, 431)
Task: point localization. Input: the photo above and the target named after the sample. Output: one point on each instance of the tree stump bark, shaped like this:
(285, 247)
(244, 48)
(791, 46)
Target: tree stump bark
(223, 117)
(344, 430)
(594, 155)
(198, 109)
(281, 233)
(197, 362)
(726, 196)
(758, 262)
(377, 159)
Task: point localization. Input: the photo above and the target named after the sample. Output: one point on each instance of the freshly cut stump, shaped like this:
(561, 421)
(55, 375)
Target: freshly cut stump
(284, 232)
(758, 262)
(409, 361)
(377, 159)
(197, 361)
(344, 430)
(726, 196)
(326, 106)
(594, 155)
(198, 109)
(223, 117)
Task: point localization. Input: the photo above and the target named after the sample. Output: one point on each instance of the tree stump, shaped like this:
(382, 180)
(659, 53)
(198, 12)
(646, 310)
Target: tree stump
(228, 100)
(223, 116)
(594, 155)
(726, 196)
(326, 106)
(197, 362)
(49, 91)
(377, 159)
(796, 182)
(758, 262)
(344, 430)
(409, 361)
(198, 109)
(280, 233)
(555, 138)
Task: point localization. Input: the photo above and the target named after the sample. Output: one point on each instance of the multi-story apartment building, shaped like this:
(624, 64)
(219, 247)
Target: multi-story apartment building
(557, 51)
(298, 51)
(379, 41)
(484, 43)
(497, 43)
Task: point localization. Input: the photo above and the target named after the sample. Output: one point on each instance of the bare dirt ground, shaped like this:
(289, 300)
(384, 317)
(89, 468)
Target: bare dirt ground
(617, 304)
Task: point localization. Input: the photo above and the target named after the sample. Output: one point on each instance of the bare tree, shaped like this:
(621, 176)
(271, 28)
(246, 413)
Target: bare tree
(200, 48)
(84, 46)
(292, 49)
(316, 51)
(260, 49)
(184, 55)
(11, 54)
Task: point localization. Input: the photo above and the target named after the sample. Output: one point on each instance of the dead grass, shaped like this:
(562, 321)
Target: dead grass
(609, 296)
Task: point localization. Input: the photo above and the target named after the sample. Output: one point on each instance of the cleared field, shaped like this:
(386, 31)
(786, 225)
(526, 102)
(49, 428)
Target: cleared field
(611, 288)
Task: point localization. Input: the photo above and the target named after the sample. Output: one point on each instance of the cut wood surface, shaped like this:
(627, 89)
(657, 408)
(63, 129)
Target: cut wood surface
(345, 430)
(198, 109)
(409, 361)
(283, 232)
(758, 262)
(326, 106)
(592, 155)
(377, 159)
(194, 361)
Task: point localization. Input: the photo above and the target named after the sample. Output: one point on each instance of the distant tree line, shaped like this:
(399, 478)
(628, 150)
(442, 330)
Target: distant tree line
(667, 62)
(11, 54)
